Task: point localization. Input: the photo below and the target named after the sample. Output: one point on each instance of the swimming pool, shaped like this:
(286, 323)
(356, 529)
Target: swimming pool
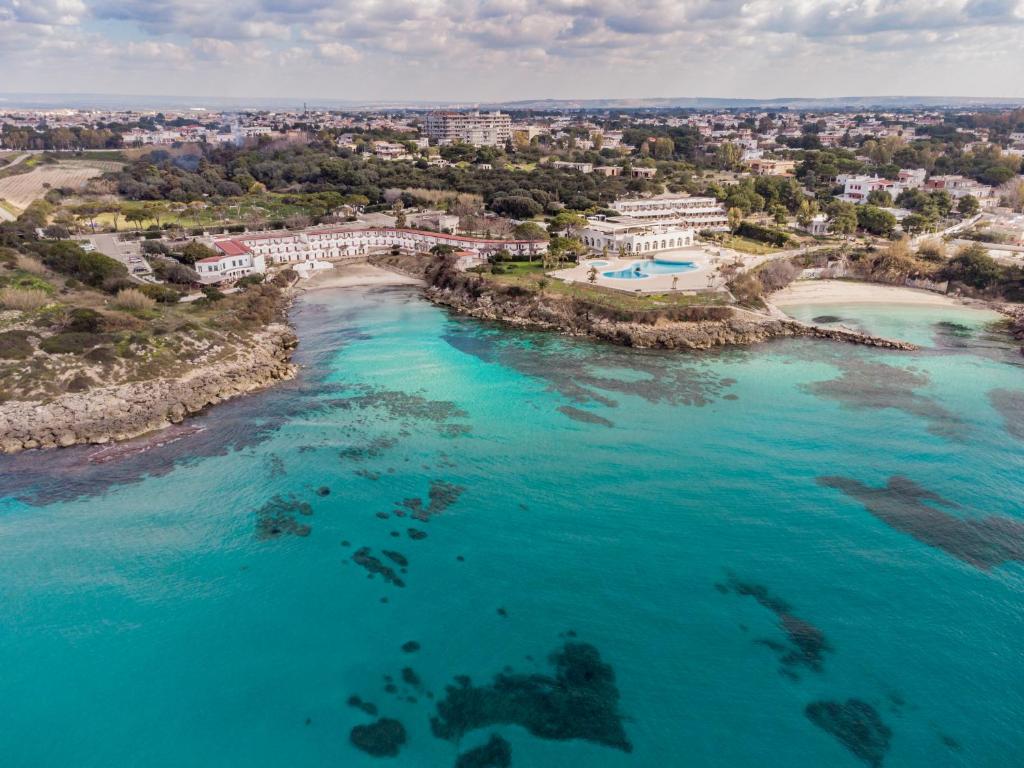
(639, 270)
(597, 263)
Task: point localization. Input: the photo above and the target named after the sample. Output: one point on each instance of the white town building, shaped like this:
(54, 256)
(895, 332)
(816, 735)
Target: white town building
(477, 128)
(694, 212)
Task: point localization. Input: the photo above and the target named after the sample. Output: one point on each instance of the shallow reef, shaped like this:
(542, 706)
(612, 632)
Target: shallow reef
(584, 373)
(440, 496)
(383, 738)
(1010, 404)
(580, 701)
(364, 558)
(496, 753)
(277, 518)
(984, 542)
(867, 384)
(807, 645)
(586, 417)
(856, 725)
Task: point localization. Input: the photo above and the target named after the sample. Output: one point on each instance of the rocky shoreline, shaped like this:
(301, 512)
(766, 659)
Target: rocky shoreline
(121, 412)
(546, 312)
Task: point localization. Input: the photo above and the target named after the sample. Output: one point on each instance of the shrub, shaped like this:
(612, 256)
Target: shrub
(161, 293)
(155, 246)
(932, 250)
(213, 293)
(15, 345)
(71, 343)
(193, 252)
(762, 234)
(82, 320)
(285, 277)
(30, 265)
(133, 299)
(116, 284)
(25, 299)
(974, 267)
(254, 279)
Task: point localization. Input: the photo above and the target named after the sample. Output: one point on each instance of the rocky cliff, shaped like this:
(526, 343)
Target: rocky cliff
(127, 410)
(727, 326)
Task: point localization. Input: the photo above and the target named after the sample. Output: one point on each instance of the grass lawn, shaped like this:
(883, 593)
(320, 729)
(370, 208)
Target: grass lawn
(746, 245)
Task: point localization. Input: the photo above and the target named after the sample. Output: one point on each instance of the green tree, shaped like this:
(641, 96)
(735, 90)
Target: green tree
(915, 224)
(735, 216)
(879, 197)
(875, 220)
(974, 267)
(968, 205)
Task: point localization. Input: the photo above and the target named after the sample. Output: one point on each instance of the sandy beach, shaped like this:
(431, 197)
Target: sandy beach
(349, 275)
(848, 292)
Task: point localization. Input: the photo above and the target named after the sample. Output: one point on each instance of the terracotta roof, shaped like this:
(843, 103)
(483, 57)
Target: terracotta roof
(230, 248)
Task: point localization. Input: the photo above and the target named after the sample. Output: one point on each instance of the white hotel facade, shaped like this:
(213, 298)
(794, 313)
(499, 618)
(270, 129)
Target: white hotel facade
(634, 237)
(680, 210)
(250, 253)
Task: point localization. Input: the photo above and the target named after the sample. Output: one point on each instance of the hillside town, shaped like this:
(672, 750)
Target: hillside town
(188, 200)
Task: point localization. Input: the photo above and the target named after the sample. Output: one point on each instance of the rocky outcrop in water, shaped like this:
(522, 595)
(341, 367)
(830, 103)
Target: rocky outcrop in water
(552, 312)
(124, 411)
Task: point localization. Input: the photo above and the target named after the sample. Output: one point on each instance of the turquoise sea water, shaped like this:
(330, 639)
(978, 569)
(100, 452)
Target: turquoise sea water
(797, 554)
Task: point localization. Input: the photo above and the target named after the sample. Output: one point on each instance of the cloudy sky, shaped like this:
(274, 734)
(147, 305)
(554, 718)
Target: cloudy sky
(479, 50)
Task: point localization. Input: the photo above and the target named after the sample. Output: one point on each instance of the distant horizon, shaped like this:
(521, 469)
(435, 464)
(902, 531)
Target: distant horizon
(126, 100)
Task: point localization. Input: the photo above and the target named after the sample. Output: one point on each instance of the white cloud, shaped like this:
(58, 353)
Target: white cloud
(512, 48)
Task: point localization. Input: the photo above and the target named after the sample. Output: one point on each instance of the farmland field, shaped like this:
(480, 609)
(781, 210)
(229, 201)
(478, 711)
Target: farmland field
(19, 190)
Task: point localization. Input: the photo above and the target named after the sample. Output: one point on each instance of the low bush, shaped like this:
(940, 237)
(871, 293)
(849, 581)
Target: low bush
(15, 345)
(71, 342)
(762, 234)
(254, 279)
(25, 299)
(161, 293)
(83, 320)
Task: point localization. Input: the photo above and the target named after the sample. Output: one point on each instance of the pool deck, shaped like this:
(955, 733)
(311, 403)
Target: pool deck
(701, 279)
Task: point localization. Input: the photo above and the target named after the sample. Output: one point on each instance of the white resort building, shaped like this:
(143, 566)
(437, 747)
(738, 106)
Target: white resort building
(234, 261)
(632, 236)
(683, 210)
(253, 252)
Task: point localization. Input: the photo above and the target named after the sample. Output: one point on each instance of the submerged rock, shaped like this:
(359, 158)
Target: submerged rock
(854, 724)
(384, 738)
(586, 417)
(363, 558)
(984, 542)
(807, 644)
(580, 701)
(278, 518)
(496, 753)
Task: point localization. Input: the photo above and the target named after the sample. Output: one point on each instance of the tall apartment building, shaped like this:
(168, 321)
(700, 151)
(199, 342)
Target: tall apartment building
(477, 128)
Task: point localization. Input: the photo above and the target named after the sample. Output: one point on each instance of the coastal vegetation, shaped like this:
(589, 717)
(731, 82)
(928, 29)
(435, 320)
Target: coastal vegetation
(74, 322)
